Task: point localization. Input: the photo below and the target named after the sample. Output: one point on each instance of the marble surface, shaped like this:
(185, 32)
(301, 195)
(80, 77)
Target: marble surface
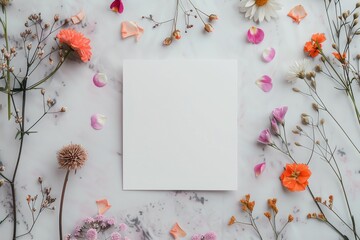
(152, 214)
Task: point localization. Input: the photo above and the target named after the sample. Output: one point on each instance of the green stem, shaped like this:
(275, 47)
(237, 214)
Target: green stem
(62, 203)
(8, 85)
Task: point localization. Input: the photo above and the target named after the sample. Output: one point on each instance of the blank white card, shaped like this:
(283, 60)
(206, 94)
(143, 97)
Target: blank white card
(180, 125)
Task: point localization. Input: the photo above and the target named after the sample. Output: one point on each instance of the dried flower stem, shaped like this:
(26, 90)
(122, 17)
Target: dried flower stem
(62, 203)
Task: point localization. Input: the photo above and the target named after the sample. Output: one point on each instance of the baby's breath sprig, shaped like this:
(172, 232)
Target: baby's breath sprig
(190, 11)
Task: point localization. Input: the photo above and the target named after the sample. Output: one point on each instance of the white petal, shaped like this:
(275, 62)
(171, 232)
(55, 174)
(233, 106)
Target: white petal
(250, 3)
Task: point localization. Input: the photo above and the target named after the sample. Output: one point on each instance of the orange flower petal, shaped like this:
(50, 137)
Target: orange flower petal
(129, 28)
(295, 177)
(298, 13)
(78, 17)
(318, 37)
(177, 232)
(103, 205)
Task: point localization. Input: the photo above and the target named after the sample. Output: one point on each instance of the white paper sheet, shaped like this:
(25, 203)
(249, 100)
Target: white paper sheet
(180, 125)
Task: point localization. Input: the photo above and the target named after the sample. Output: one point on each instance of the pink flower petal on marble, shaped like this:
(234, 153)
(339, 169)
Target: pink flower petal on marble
(259, 168)
(76, 19)
(103, 205)
(177, 232)
(129, 29)
(255, 35)
(100, 79)
(297, 13)
(268, 54)
(98, 121)
(265, 83)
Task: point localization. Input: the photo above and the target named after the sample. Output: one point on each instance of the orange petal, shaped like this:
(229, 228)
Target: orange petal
(177, 232)
(298, 13)
(129, 28)
(103, 205)
(78, 17)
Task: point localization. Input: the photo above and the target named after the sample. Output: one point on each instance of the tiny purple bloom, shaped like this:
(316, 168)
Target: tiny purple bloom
(265, 137)
(279, 114)
(89, 220)
(123, 227)
(110, 221)
(115, 236)
(91, 234)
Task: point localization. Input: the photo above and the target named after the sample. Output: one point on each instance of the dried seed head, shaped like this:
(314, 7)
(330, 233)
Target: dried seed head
(167, 41)
(56, 17)
(305, 120)
(315, 107)
(42, 91)
(296, 132)
(334, 46)
(296, 90)
(1, 182)
(208, 27)
(358, 57)
(63, 109)
(290, 218)
(356, 15)
(4, 3)
(40, 180)
(2, 168)
(322, 121)
(318, 68)
(213, 17)
(177, 34)
(297, 144)
(72, 157)
(357, 5)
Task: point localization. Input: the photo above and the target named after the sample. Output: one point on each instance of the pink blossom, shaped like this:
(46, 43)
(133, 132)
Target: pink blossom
(89, 220)
(279, 114)
(115, 236)
(91, 234)
(123, 227)
(265, 137)
(110, 221)
(259, 168)
(275, 127)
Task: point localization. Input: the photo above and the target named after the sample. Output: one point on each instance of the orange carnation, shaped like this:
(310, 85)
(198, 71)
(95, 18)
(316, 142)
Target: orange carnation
(314, 46)
(295, 177)
(340, 57)
(77, 42)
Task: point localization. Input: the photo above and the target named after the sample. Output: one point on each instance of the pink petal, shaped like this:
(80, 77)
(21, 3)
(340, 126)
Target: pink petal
(265, 83)
(297, 13)
(129, 28)
(279, 114)
(98, 121)
(255, 35)
(100, 79)
(117, 6)
(265, 137)
(121, 7)
(78, 17)
(268, 54)
(103, 205)
(259, 168)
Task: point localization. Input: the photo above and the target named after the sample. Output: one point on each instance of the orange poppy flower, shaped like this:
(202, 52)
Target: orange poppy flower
(340, 57)
(295, 177)
(77, 42)
(314, 46)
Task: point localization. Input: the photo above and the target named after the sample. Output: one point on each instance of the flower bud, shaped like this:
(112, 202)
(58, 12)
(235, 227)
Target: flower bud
(40, 180)
(315, 107)
(56, 18)
(167, 41)
(357, 5)
(176, 34)
(63, 109)
(318, 68)
(1, 182)
(208, 27)
(2, 168)
(213, 17)
(356, 15)
(4, 3)
(334, 46)
(296, 90)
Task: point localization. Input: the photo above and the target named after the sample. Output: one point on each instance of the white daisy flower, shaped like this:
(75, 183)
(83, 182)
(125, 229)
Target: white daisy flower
(297, 70)
(260, 10)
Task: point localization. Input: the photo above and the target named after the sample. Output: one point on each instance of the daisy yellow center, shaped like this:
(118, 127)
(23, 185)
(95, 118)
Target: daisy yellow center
(261, 2)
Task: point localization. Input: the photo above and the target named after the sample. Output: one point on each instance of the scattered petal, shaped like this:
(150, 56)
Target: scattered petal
(259, 168)
(98, 121)
(265, 83)
(103, 205)
(297, 13)
(177, 232)
(76, 19)
(117, 6)
(100, 79)
(130, 28)
(255, 35)
(268, 54)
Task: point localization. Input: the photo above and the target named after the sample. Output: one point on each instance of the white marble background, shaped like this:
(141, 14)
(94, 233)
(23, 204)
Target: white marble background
(197, 212)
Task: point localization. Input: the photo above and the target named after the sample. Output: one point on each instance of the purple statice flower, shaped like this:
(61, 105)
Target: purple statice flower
(110, 221)
(91, 234)
(123, 227)
(89, 220)
(115, 236)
